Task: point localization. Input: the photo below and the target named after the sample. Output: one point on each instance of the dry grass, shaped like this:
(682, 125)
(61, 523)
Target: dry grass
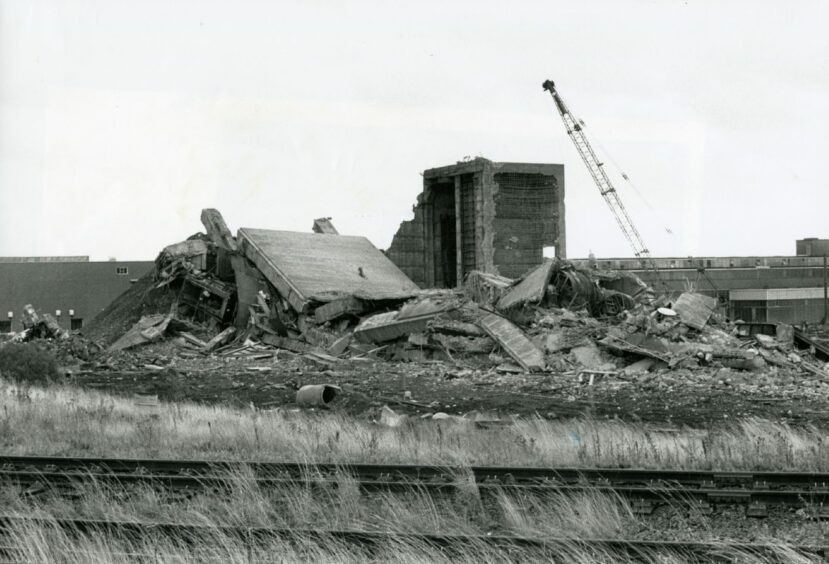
(68, 421)
(582, 516)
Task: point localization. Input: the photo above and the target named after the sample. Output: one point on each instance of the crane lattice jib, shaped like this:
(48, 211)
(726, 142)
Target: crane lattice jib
(608, 192)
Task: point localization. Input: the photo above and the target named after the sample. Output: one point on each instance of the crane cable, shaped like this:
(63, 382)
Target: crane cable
(622, 173)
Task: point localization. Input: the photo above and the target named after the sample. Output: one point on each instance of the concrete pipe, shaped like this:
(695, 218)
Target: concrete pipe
(316, 395)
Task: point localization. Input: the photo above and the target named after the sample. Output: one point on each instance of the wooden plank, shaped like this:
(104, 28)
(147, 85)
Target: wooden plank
(513, 341)
(220, 339)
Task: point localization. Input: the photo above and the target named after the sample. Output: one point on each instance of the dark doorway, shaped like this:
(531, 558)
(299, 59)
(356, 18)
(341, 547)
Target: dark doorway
(76, 323)
(444, 235)
(448, 250)
(6, 326)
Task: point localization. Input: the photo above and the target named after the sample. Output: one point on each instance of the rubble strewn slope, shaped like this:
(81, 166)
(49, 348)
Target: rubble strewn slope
(142, 298)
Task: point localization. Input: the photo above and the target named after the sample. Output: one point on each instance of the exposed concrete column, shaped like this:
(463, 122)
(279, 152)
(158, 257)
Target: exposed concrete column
(429, 235)
(560, 224)
(458, 232)
(489, 191)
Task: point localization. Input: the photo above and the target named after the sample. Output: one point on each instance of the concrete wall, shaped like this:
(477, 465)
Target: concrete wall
(812, 247)
(408, 248)
(504, 213)
(85, 287)
(525, 221)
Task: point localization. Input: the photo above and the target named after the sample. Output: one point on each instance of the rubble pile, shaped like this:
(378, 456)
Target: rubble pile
(315, 301)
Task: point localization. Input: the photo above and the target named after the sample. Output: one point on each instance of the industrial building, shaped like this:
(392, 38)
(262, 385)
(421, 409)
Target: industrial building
(497, 217)
(787, 289)
(72, 289)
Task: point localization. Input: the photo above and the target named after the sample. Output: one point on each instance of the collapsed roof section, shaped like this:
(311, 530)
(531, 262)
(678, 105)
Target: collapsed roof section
(319, 267)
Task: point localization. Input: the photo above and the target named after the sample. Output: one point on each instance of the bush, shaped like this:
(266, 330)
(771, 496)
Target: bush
(27, 364)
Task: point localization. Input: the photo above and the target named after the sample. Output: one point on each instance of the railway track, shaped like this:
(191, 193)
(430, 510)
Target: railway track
(646, 488)
(635, 549)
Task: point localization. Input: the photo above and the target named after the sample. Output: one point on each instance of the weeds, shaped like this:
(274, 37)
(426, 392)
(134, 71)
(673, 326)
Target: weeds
(26, 363)
(69, 421)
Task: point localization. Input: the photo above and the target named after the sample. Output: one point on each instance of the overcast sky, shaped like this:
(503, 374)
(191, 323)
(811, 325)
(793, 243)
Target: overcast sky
(120, 120)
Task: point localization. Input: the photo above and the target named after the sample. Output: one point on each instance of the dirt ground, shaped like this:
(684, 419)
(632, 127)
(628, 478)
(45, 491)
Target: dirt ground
(681, 397)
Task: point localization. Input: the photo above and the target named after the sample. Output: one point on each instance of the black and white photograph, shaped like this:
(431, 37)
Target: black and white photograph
(464, 282)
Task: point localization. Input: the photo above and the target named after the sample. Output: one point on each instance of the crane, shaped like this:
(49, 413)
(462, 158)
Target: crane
(576, 133)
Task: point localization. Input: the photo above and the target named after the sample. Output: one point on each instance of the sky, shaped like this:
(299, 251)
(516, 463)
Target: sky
(121, 120)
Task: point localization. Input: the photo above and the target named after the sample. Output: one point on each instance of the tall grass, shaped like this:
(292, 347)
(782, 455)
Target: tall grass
(69, 421)
(48, 544)
(583, 516)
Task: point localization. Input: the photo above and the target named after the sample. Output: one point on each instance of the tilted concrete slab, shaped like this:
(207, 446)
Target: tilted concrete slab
(513, 340)
(531, 289)
(308, 267)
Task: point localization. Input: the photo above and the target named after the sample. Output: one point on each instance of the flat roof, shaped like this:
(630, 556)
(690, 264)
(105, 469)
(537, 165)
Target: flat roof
(478, 164)
(45, 259)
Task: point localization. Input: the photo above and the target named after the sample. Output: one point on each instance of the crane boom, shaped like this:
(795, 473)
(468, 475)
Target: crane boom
(576, 133)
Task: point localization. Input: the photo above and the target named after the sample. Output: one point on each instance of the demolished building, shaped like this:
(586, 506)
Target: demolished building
(495, 217)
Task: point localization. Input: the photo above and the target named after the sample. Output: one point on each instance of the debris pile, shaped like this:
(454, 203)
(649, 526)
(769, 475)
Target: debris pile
(305, 303)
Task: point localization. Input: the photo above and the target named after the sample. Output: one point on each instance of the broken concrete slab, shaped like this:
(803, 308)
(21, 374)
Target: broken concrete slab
(513, 341)
(30, 316)
(486, 288)
(384, 327)
(766, 341)
(695, 309)
(531, 289)
(147, 329)
(194, 250)
(217, 230)
(309, 267)
(324, 225)
(338, 347)
(638, 344)
(457, 343)
(412, 318)
(339, 308)
(453, 327)
(641, 365)
(785, 334)
(249, 282)
(590, 357)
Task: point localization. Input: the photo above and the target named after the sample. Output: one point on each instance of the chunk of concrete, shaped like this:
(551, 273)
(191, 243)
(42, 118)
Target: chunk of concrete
(412, 318)
(339, 308)
(338, 347)
(531, 289)
(217, 230)
(695, 309)
(324, 225)
(513, 341)
(147, 329)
